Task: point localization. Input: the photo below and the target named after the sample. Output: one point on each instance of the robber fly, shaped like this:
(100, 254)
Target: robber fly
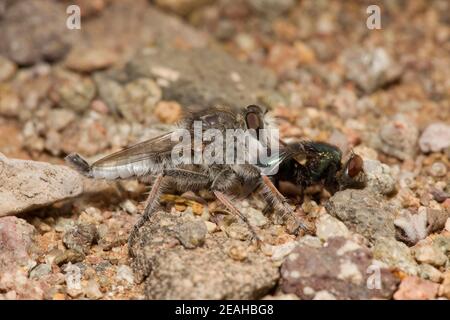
(303, 163)
(153, 158)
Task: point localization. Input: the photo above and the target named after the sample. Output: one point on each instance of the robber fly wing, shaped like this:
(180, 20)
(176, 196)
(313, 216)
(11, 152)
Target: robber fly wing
(272, 163)
(145, 158)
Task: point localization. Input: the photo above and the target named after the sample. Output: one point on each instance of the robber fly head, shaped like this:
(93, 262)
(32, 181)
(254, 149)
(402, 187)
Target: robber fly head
(222, 118)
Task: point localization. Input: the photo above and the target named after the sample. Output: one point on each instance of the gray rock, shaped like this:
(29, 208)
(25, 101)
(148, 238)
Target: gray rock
(134, 100)
(7, 69)
(184, 7)
(191, 233)
(435, 137)
(279, 252)
(438, 169)
(90, 59)
(430, 254)
(110, 91)
(202, 77)
(73, 276)
(442, 241)
(59, 119)
(439, 195)
(398, 137)
(26, 185)
(328, 226)
(88, 136)
(363, 212)
(73, 91)
(9, 102)
(255, 217)
(233, 227)
(410, 228)
(63, 224)
(413, 227)
(40, 271)
(206, 272)
(379, 177)
(341, 268)
(80, 237)
(125, 273)
(17, 249)
(44, 37)
(72, 256)
(92, 290)
(429, 272)
(396, 255)
(370, 69)
(271, 8)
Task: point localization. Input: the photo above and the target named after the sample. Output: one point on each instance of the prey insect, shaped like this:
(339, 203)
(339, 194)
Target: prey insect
(307, 163)
(153, 158)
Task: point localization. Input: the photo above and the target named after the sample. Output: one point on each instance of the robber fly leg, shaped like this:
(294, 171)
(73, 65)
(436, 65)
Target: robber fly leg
(188, 179)
(267, 209)
(183, 177)
(229, 205)
(279, 202)
(150, 205)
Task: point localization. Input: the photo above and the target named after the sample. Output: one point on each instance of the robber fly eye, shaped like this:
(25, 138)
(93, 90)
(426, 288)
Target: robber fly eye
(354, 166)
(252, 121)
(253, 118)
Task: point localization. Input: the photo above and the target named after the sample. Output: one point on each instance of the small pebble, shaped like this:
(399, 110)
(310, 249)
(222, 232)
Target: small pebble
(438, 169)
(80, 237)
(211, 226)
(398, 137)
(439, 195)
(90, 59)
(435, 138)
(191, 233)
(415, 288)
(7, 69)
(428, 272)
(429, 254)
(237, 251)
(168, 111)
(92, 290)
(125, 273)
(327, 226)
(40, 270)
(129, 206)
(70, 255)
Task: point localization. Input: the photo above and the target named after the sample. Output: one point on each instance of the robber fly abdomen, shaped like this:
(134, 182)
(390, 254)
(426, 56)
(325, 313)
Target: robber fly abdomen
(144, 159)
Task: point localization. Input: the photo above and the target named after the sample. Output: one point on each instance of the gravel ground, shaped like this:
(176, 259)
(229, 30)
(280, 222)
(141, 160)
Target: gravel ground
(127, 75)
